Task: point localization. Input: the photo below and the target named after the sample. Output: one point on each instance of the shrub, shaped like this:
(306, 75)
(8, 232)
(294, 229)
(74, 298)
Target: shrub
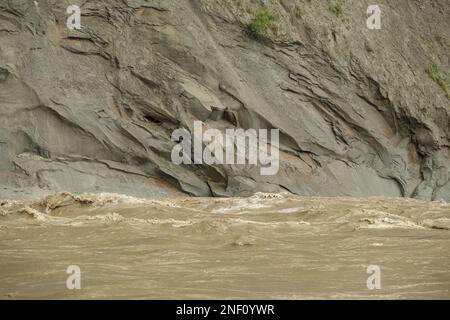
(337, 8)
(440, 40)
(299, 12)
(261, 21)
(439, 77)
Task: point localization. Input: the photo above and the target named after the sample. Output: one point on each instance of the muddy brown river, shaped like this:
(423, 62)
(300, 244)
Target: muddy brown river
(264, 247)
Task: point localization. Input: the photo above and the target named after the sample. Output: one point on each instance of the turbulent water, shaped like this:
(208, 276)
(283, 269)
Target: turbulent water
(265, 246)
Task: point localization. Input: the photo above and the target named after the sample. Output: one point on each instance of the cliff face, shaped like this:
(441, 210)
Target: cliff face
(93, 109)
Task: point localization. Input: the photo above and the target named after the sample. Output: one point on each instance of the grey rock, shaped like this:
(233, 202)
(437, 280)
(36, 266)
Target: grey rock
(92, 110)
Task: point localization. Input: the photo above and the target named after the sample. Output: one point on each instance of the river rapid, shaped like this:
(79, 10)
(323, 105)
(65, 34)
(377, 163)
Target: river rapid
(268, 246)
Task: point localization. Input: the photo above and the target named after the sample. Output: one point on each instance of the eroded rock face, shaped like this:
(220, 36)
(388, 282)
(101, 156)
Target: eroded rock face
(94, 109)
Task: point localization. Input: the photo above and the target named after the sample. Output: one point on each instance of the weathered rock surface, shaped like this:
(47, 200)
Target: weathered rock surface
(94, 109)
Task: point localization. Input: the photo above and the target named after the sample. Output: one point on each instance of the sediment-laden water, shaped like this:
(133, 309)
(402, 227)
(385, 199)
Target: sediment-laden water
(265, 246)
